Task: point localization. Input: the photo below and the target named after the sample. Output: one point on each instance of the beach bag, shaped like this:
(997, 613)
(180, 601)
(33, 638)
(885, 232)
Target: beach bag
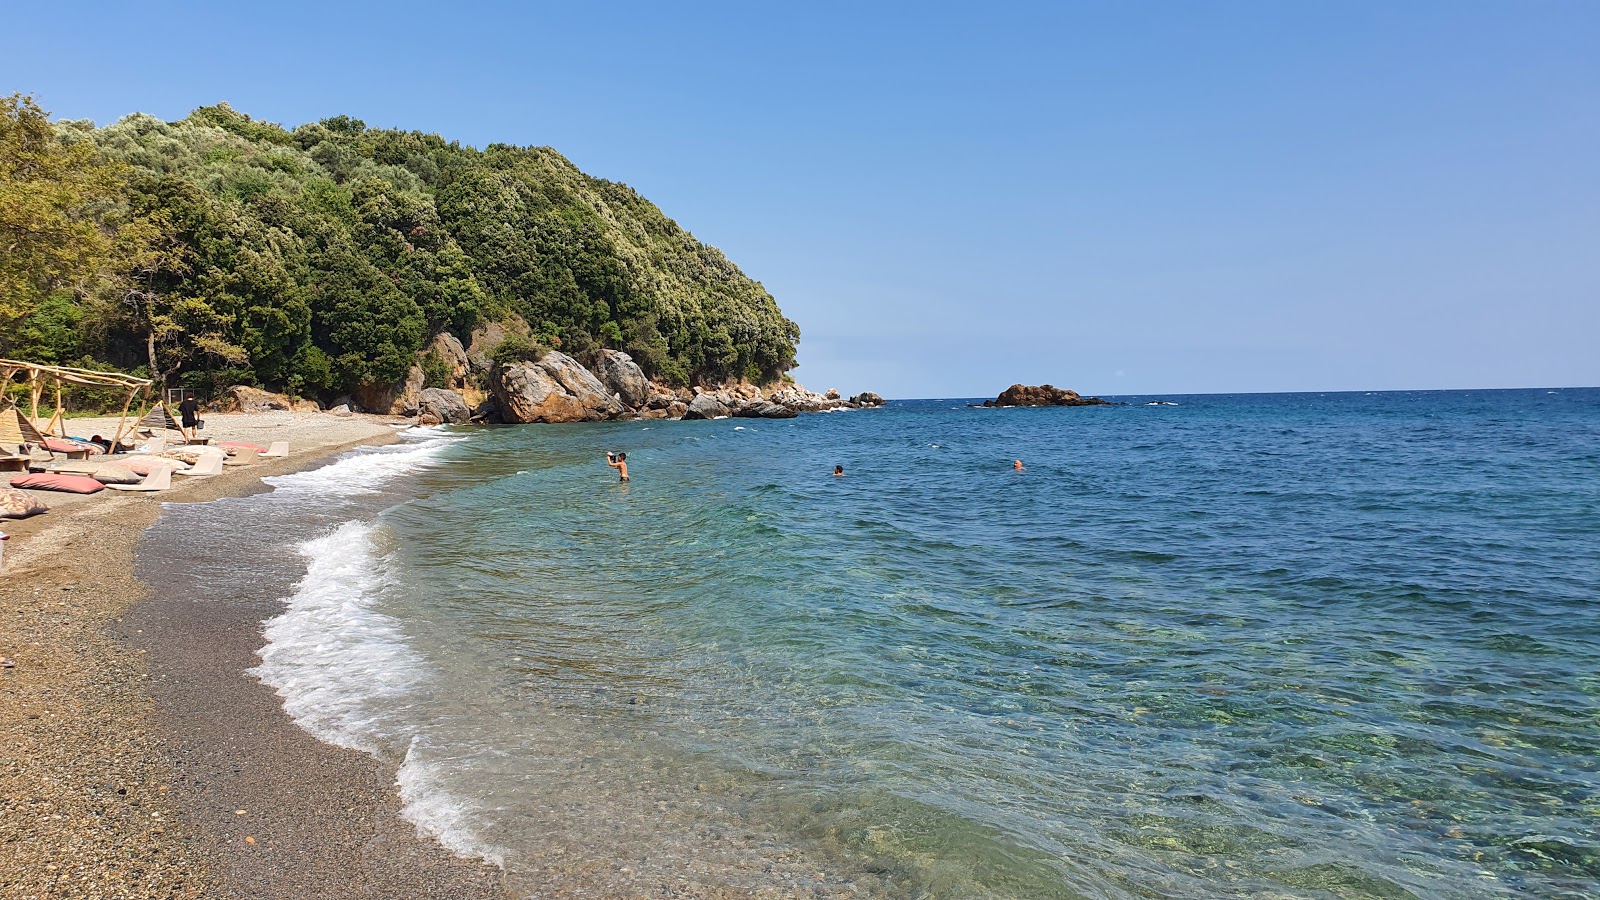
(18, 505)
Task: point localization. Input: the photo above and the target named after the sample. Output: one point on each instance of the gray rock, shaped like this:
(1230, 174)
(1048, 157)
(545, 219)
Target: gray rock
(250, 399)
(554, 389)
(485, 338)
(525, 392)
(624, 378)
(446, 406)
(399, 399)
(581, 383)
(705, 406)
(342, 409)
(764, 409)
(448, 348)
(867, 398)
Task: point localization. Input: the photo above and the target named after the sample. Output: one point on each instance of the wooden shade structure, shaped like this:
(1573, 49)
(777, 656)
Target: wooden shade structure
(41, 377)
(16, 428)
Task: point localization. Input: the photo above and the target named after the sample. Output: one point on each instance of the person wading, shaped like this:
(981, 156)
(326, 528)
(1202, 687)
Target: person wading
(618, 461)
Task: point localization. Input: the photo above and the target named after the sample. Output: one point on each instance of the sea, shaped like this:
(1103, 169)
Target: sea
(1233, 645)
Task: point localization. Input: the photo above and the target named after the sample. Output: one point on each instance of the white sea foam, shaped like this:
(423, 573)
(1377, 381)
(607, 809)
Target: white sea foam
(331, 655)
(428, 804)
(367, 469)
(344, 670)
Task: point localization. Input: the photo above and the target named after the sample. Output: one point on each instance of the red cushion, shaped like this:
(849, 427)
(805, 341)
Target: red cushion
(61, 445)
(67, 484)
(240, 446)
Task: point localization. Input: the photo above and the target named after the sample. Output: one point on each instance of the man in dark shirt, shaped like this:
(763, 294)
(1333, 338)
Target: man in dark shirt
(190, 410)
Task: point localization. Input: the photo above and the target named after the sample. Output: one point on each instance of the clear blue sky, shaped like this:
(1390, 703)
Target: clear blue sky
(1119, 197)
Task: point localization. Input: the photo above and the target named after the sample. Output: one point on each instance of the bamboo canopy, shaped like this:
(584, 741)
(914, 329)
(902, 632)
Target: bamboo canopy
(40, 376)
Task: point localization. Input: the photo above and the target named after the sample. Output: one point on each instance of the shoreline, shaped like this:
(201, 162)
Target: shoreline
(133, 735)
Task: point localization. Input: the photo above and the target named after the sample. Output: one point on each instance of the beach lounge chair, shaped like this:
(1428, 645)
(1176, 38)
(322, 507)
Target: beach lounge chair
(208, 465)
(245, 457)
(158, 480)
(156, 444)
(278, 448)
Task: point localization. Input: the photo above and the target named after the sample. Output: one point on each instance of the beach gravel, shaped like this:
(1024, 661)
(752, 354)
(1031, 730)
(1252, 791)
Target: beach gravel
(127, 755)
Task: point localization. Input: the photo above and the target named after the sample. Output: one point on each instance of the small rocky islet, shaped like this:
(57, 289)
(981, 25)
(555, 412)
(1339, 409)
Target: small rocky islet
(1042, 395)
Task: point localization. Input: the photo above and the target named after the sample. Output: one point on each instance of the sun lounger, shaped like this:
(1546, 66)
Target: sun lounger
(278, 448)
(209, 464)
(159, 480)
(245, 457)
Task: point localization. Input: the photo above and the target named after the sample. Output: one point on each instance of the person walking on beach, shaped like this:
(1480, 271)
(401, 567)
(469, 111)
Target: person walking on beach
(618, 461)
(190, 410)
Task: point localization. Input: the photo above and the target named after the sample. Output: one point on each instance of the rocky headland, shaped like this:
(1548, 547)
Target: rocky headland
(1043, 395)
(553, 387)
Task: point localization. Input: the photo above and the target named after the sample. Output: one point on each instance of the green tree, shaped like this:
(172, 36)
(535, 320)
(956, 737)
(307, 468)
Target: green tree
(51, 238)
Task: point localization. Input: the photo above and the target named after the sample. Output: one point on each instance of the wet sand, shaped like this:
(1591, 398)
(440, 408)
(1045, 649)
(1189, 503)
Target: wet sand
(138, 760)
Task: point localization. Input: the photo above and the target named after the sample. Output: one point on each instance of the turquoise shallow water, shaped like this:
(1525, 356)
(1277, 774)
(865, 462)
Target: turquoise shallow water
(1246, 645)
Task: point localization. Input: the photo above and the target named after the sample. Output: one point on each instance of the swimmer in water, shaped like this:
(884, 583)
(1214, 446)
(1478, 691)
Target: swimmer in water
(1017, 465)
(838, 471)
(618, 461)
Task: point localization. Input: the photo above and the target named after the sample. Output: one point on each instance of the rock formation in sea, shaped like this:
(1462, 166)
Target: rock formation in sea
(1043, 395)
(557, 388)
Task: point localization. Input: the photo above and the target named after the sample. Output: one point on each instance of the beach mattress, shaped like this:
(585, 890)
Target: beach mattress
(236, 445)
(144, 465)
(58, 445)
(18, 505)
(66, 484)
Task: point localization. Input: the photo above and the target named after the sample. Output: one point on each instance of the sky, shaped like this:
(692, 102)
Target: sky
(949, 198)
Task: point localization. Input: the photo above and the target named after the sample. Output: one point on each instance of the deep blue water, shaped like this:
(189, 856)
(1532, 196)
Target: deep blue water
(1245, 645)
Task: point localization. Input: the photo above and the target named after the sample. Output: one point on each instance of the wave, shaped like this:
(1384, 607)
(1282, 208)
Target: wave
(343, 668)
(330, 654)
(366, 469)
(438, 812)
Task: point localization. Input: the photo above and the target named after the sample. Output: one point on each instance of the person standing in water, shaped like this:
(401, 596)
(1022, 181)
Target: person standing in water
(618, 461)
(1017, 465)
(838, 471)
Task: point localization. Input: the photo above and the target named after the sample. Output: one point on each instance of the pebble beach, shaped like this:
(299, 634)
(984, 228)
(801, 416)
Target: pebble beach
(138, 758)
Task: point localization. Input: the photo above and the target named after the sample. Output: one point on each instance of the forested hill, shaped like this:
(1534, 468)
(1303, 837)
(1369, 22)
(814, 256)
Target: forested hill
(222, 250)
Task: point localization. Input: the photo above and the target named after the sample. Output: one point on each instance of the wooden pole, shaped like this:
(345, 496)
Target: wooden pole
(122, 421)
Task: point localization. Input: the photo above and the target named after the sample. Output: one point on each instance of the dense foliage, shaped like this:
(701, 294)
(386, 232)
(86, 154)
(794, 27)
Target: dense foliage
(219, 249)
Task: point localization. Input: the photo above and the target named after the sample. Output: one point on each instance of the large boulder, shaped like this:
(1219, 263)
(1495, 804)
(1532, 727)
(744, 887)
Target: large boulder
(446, 406)
(866, 398)
(1042, 395)
(399, 399)
(705, 406)
(448, 348)
(677, 409)
(554, 389)
(524, 392)
(624, 378)
(581, 383)
(253, 400)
